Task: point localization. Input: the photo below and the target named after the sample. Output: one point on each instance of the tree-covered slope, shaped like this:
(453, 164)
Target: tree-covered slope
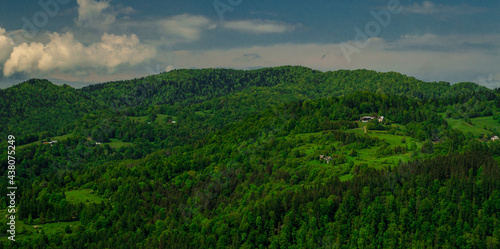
(190, 86)
(268, 158)
(258, 183)
(37, 106)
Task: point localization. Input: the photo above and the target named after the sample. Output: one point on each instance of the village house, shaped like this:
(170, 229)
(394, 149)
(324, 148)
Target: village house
(366, 119)
(324, 158)
(495, 138)
(51, 142)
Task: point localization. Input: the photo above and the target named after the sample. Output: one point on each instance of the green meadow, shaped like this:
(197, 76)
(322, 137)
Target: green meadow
(480, 126)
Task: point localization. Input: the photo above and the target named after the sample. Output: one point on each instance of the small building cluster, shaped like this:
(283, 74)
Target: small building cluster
(325, 159)
(366, 119)
(95, 142)
(495, 138)
(51, 142)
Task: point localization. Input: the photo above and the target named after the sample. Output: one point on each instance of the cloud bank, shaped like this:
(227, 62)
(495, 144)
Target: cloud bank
(185, 27)
(6, 46)
(431, 8)
(63, 53)
(93, 14)
(258, 26)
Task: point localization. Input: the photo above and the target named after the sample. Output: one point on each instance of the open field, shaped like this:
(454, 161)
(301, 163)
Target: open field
(82, 196)
(478, 125)
(310, 146)
(116, 143)
(25, 231)
(57, 138)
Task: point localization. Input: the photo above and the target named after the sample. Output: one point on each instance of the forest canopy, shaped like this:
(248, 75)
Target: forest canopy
(285, 157)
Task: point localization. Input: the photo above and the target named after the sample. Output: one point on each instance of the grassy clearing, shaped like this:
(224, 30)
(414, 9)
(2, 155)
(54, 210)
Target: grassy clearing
(368, 156)
(116, 143)
(82, 195)
(346, 177)
(27, 232)
(478, 125)
(394, 140)
(57, 138)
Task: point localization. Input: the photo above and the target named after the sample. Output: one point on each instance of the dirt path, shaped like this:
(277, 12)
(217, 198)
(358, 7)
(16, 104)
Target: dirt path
(468, 124)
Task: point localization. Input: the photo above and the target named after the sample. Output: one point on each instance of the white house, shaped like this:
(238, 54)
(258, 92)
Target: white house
(495, 138)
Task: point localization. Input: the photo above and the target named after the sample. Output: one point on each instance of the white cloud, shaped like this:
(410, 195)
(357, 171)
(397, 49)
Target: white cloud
(65, 54)
(169, 68)
(429, 8)
(6, 46)
(426, 7)
(489, 81)
(94, 14)
(185, 27)
(258, 26)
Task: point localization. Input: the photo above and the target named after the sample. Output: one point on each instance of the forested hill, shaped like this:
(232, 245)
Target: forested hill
(188, 86)
(38, 106)
(284, 157)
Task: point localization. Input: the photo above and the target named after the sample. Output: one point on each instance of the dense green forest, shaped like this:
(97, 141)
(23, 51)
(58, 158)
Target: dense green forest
(269, 158)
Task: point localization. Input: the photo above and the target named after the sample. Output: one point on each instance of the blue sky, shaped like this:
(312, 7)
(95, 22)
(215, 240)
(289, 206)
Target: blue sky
(76, 41)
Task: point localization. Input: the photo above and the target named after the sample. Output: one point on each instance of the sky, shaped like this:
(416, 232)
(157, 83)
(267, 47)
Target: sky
(79, 42)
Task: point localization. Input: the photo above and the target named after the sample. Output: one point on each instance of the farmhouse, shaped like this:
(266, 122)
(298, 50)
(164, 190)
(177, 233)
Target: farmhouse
(51, 142)
(495, 138)
(324, 158)
(366, 119)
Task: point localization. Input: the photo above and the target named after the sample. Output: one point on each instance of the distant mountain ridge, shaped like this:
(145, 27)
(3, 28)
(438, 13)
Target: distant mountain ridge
(37, 106)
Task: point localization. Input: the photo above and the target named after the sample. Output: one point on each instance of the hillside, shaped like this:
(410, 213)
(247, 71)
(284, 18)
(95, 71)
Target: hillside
(38, 106)
(40, 109)
(268, 158)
